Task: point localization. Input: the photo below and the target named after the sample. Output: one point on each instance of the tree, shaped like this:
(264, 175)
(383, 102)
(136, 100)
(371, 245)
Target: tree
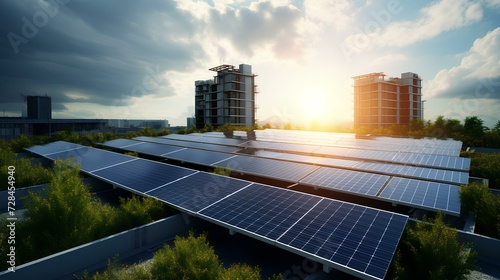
(453, 126)
(496, 128)
(473, 127)
(431, 250)
(438, 129)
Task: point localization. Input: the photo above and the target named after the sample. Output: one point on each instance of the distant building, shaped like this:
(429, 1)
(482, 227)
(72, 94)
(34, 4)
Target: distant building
(39, 122)
(190, 122)
(125, 123)
(227, 99)
(381, 102)
(39, 107)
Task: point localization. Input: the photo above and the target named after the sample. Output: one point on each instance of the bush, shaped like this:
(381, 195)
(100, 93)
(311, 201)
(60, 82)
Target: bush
(193, 258)
(431, 250)
(222, 171)
(486, 206)
(485, 166)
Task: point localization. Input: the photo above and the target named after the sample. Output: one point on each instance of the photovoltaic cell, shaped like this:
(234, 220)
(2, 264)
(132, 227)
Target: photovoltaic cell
(53, 147)
(198, 191)
(143, 175)
(262, 210)
(185, 144)
(91, 159)
(198, 156)
(119, 143)
(282, 170)
(346, 181)
(361, 238)
(423, 194)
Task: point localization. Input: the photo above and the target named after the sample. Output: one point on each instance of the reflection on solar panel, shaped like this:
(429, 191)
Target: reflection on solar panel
(142, 147)
(53, 147)
(360, 183)
(282, 170)
(439, 175)
(359, 238)
(351, 238)
(212, 147)
(199, 156)
(91, 159)
(208, 140)
(143, 175)
(424, 194)
(197, 191)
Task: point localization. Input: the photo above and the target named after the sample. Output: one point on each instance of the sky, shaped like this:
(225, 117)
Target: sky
(140, 59)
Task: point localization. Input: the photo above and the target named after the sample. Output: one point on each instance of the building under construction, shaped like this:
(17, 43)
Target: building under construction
(227, 99)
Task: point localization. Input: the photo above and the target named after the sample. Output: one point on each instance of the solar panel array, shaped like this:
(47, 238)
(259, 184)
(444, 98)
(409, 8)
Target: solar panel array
(352, 238)
(341, 180)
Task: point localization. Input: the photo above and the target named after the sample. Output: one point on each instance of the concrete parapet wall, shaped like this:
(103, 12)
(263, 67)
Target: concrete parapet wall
(66, 264)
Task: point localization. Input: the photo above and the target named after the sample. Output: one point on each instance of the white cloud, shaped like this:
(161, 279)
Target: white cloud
(334, 13)
(441, 16)
(477, 76)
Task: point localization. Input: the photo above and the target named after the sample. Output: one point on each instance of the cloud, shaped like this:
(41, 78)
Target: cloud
(331, 13)
(104, 51)
(439, 17)
(259, 27)
(477, 76)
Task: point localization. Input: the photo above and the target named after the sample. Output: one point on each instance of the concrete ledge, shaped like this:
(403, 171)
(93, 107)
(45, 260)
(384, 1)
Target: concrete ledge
(71, 262)
(487, 248)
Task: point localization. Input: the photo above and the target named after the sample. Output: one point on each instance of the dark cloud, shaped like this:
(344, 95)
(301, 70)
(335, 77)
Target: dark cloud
(103, 51)
(251, 29)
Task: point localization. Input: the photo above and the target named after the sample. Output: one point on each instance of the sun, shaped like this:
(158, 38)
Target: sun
(314, 104)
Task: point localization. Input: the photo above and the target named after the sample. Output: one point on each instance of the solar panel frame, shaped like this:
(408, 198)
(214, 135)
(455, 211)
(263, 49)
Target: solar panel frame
(270, 168)
(348, 244)
(353, 182)
(202, 157)
(142, 175)
(423, 194)
(198, 191)
(53, 147)
(91, 159)
(195, 145)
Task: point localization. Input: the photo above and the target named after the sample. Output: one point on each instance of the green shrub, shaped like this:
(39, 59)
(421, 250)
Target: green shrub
(191, 258)
(486, 206)
(485, 166)
(222, 171)
(115, 271)
(431, 250)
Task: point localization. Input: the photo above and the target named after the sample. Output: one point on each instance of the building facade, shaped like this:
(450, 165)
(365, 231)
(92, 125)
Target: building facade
(381, 102)
(227, 99)
(39, 107)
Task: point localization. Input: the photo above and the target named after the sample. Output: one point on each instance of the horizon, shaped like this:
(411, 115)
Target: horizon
(140, 61)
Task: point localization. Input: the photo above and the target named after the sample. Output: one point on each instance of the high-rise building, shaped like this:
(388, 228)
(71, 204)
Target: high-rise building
(39, 107)
(227, 99)
(381, 102)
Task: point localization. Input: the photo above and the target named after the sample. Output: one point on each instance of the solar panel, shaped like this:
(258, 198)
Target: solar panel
(423, 194)
(198, 156)
(198, 191)
(212, 147)
(53, 147)
(287, 171)
(353, 236)
(263, 210)
(149, 148)
(209, 140)
(360, 183)
(142, 175)
(119, 143)
(447, 176)
(91, 159)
